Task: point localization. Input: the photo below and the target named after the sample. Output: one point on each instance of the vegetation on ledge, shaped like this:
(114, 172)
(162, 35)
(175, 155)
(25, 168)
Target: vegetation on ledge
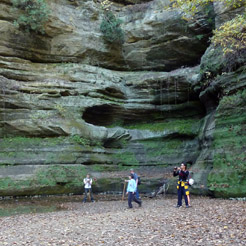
(33, 15)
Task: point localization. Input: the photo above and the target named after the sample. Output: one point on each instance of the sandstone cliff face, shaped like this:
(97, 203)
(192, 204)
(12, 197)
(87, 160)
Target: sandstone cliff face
(111, 120)
(222, 91)
(155, 39)
(72, 104)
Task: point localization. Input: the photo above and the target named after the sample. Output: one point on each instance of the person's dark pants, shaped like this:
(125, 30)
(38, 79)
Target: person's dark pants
(86, 191)
(132, 197)
(137, 194)
(181, 193)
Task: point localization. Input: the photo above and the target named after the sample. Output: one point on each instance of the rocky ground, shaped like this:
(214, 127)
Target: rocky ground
(157, 222)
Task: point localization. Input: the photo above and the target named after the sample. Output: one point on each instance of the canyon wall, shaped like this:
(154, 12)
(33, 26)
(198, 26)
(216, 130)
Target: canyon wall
(72, 103)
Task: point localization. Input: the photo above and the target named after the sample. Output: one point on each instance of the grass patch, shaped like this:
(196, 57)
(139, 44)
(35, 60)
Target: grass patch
(26, 142)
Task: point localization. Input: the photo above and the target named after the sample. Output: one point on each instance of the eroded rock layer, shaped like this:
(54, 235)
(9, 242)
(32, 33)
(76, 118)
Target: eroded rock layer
(71, 103)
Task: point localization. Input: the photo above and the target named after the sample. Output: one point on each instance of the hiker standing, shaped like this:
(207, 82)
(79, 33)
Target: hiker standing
(135, 176)
(88, 183)
(131, 189)
(182, 184)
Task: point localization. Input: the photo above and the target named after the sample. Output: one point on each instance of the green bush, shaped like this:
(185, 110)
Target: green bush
(34, 14)
(110, 27)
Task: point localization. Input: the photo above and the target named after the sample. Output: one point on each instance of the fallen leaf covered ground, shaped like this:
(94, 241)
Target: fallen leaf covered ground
(214, 222)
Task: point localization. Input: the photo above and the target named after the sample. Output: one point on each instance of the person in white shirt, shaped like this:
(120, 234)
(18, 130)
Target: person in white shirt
(131, 190)
(88, 183)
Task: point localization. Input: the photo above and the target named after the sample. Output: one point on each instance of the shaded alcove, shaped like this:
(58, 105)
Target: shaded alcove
(103, 115)
(110, 115)
(116, 115)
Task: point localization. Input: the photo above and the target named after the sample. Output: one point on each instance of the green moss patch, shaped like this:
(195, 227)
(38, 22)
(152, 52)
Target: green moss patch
(61, 174)
(53, 179)
(24, 142)
(183, 127)
(228, 177)
(126, 158)
(163, 147)
(61, 150)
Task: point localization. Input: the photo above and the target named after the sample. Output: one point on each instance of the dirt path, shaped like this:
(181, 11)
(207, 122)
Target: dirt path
(158, 222)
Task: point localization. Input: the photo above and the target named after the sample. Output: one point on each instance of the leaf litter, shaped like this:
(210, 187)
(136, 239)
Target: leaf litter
(211, 222)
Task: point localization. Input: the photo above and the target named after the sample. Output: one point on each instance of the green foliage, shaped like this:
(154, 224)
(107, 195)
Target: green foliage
(110, 27)
(191, 7)
(231, 36)
(34, 15)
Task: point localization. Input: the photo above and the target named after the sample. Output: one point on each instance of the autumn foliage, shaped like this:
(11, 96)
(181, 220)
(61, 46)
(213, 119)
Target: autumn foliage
(231, 36)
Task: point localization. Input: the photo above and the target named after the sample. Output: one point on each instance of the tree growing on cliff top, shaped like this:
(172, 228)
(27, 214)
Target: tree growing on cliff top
(192, 6)
(231, 36)
(33, 15)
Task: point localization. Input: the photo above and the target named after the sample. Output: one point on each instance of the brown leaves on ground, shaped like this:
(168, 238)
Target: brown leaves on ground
(208, 222)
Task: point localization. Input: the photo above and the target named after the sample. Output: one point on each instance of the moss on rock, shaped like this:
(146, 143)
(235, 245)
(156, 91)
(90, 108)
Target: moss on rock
(127, 158)
(182, 127)
(228, 177)
(56, 179)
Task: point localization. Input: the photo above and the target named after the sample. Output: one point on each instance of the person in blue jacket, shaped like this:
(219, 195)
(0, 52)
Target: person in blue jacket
(131, 190)
(182, 186)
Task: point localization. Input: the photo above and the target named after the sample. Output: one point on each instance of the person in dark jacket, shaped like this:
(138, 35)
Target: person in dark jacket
(182, 185)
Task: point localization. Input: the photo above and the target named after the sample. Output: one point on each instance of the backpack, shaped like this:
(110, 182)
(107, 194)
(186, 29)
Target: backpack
(139, 180)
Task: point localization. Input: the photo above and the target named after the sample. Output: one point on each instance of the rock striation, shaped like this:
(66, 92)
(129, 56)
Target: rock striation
(71, 103)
